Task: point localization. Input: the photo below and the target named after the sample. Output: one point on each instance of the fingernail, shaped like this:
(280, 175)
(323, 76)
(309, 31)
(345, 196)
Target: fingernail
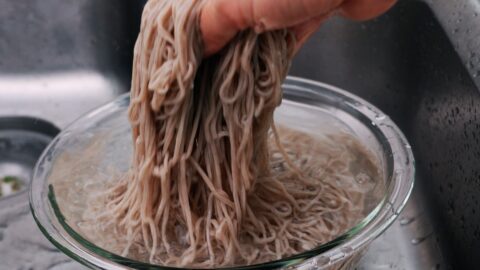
(260, 27)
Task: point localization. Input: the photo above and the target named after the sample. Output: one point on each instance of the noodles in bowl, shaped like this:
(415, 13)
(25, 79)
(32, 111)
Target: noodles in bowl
(345, 186)
(212, 181)
(95, 151)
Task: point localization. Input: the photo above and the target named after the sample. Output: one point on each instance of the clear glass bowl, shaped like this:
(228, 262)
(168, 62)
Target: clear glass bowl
(309, 106)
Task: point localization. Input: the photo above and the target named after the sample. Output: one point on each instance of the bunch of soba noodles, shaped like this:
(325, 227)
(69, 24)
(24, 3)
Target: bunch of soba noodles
(213, 182)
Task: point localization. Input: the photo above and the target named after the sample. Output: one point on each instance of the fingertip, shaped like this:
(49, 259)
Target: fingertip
(215, 26)
(206, 29)
(360, 10)
(211, 49)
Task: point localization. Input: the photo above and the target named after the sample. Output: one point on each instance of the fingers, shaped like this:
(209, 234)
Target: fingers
(365, 9)
(222, 19)
(275, 14)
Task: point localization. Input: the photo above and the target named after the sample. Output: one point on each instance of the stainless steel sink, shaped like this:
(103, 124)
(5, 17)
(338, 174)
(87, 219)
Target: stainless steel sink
(420, 63)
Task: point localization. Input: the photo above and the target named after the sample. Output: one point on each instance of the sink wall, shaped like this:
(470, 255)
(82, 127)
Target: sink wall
(62, 58)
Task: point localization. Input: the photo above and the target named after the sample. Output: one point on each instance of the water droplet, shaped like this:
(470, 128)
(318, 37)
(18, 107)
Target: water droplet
(81, 224)
(362, 178)
(322, 261)
(405, 221)
(415, 241)
(347, 250)
(380, 117)
(470, 64)
(419, 240)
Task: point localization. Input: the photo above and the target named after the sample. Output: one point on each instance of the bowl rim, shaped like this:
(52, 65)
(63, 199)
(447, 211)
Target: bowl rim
(377, 221)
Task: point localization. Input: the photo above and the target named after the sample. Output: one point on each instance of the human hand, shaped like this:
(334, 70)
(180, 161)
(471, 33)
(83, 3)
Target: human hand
(221, 20)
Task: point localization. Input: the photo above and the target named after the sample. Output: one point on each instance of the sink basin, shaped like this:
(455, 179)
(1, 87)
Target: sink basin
(419, 63)
(22, 141)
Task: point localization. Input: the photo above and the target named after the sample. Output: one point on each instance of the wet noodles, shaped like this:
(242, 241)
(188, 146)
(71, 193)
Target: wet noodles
(213, 182)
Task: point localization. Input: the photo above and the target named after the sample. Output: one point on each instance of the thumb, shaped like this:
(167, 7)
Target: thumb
(361, 10)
